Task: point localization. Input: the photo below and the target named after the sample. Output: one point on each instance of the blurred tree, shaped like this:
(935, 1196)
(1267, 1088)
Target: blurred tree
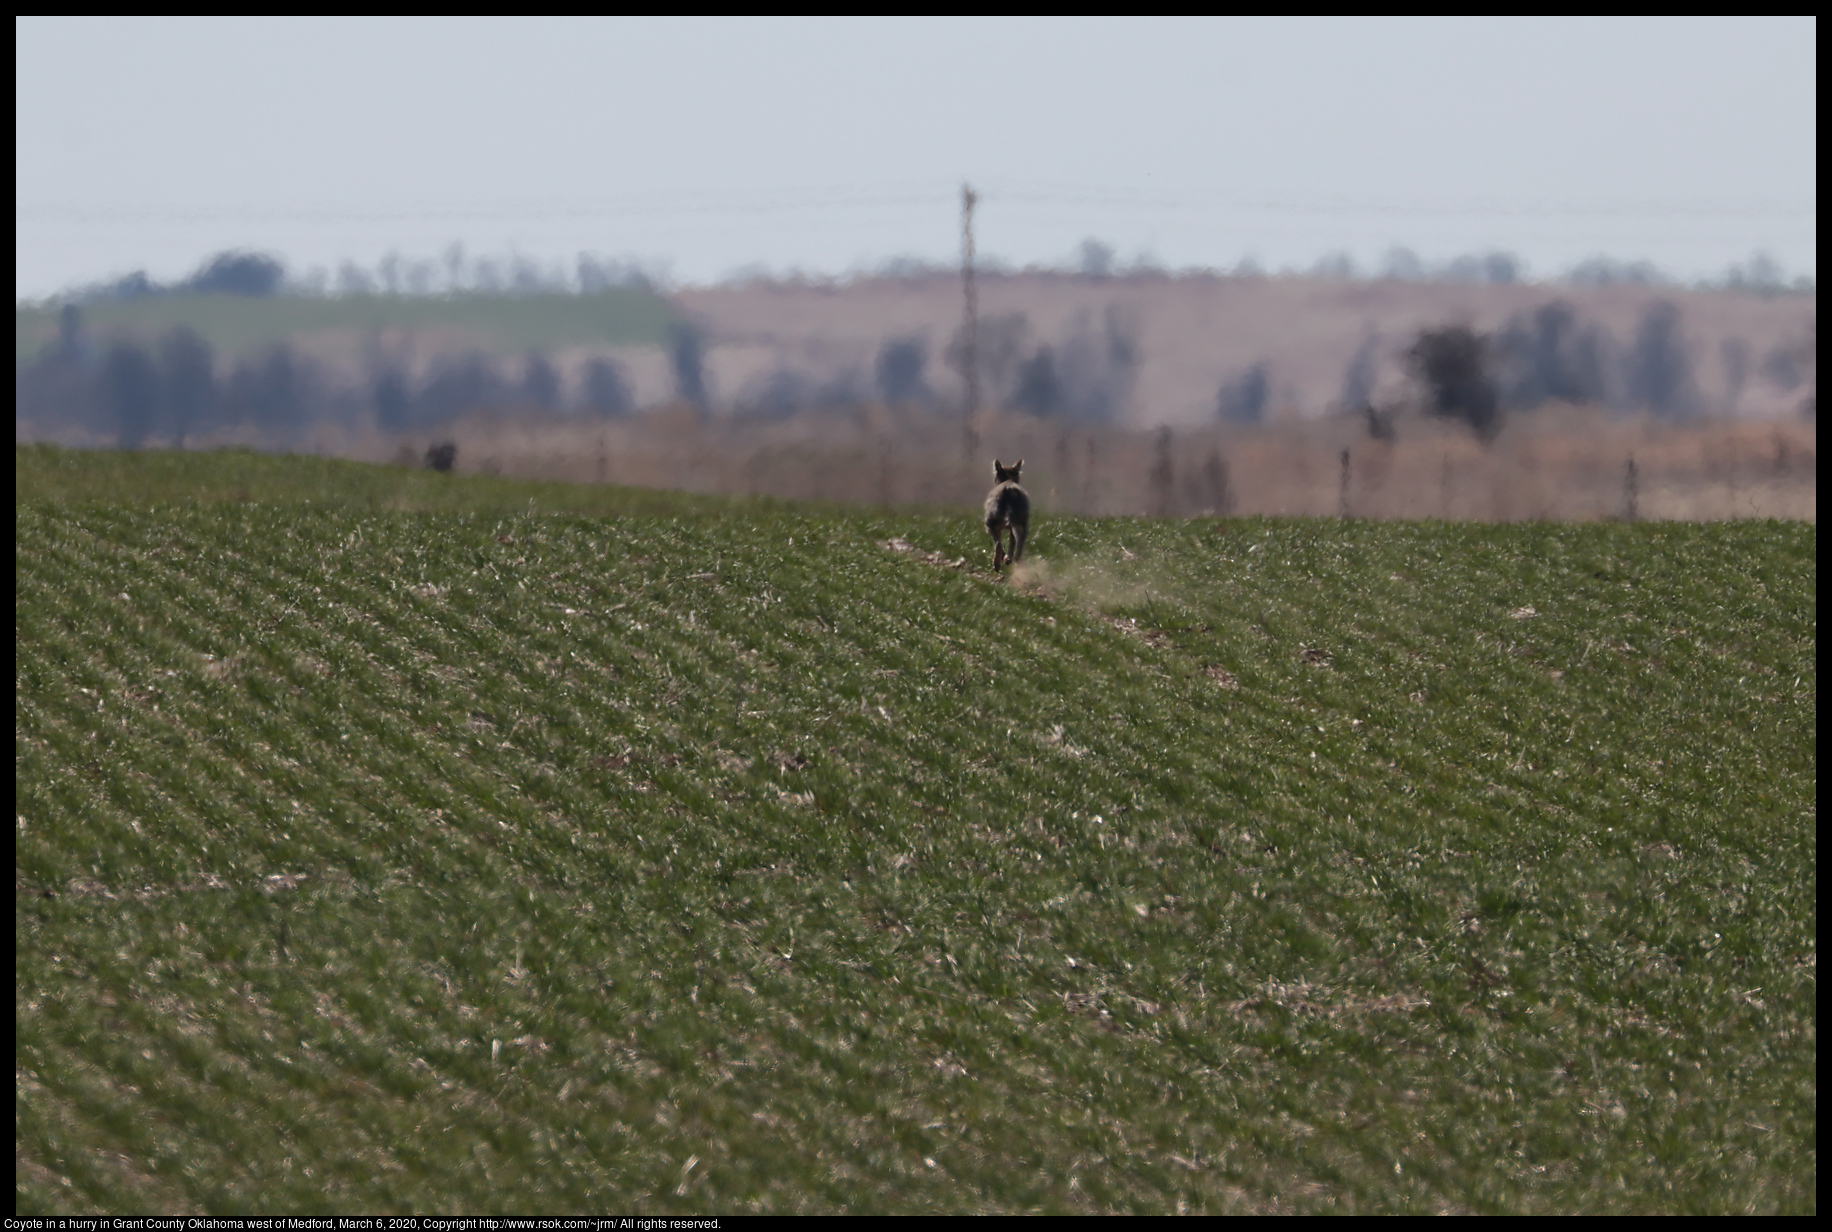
(188, 384)
(1762, 274)
(525, 277)
(271, 392)
(1792, 365)
(1097, 367)
(238, 273)
(1039, 390)
(391, 398)
(454, 267)
(353, 279)
(1660, 365)
(606, 393)
(779, 395)
(1402, 265)
(1336, 266)
(1499, 268)
(1243, 399)
(899, 372)
(1163, 477)
(1211, 491)
(1452, 364)
(1002, 342)
(687, 354)
(130, 393)
(420, 276)
(1359, 377)
(132, 286)
(1604, 272)
(1547, 355)
(540, 383)
(460, 385)
(56, 388)
(1781, 368)
(593, 277)
(1096, 259)
(70, 336)
(1735, 352)
(389, 270)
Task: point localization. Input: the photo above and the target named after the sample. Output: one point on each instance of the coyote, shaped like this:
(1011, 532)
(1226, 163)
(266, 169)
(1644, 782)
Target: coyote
(1007, 510)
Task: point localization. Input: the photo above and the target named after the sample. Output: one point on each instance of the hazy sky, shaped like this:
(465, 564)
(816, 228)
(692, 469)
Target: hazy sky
(705, 145)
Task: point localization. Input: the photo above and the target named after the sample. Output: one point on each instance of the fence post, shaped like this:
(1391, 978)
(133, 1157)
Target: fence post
(1220, 491)
(1163, 478)
(1089, 491)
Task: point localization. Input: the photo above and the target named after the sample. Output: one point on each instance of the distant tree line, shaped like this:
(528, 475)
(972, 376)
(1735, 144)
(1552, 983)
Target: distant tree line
(1086, 376)
(258, 274)
(227, 273)
(1550, 355)
(1537, 357)
(1098, 260)
(177, 388)
(456, 271)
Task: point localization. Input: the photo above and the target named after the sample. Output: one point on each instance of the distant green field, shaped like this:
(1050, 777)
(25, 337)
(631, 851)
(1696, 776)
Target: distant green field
(235, 325)
(496, 847)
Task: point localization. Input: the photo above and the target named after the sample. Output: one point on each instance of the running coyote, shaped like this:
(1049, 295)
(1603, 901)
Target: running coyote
(1007, 510)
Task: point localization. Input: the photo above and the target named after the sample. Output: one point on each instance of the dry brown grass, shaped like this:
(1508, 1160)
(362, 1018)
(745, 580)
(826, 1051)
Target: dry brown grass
(1565, 464)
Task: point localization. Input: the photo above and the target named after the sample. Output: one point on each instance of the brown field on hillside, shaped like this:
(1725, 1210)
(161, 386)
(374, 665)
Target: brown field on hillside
(1193, 333)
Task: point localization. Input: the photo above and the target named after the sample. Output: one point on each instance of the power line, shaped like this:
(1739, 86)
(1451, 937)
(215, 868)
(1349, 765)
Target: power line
(715, 204)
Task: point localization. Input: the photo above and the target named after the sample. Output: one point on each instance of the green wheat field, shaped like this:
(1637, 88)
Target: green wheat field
(395, 842)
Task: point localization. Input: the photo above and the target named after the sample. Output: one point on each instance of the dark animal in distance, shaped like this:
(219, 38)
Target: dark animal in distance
(1007, 513)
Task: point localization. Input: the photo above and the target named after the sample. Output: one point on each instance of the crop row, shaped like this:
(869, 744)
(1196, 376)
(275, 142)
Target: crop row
(774, 861)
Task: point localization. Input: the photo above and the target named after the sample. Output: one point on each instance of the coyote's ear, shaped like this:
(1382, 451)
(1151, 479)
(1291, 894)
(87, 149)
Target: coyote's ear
(996, 467)
(1018, 467)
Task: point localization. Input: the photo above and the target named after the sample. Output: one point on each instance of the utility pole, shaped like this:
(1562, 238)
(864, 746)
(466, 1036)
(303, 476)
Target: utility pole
(970, 328)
